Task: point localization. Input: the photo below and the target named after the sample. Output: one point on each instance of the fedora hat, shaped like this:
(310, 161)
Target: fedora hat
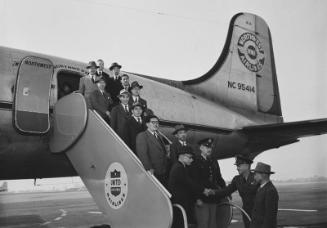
(135, 84)
(242, 159)
(114, 65)
(179, 127)
(263, 168)
(92, 64)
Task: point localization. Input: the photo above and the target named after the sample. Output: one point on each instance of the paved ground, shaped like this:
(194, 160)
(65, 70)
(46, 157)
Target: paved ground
(301, 205)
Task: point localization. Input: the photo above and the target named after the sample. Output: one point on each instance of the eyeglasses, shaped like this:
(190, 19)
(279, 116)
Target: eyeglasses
(154, 122)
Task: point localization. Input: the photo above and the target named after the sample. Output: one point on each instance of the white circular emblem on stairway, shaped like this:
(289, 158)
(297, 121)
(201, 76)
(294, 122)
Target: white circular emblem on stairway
(116, 185)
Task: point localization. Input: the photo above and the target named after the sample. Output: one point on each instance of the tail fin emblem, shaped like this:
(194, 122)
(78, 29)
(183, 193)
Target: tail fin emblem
(251, 52)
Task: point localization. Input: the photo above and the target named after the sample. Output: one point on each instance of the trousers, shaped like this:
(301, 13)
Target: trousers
(206, 215)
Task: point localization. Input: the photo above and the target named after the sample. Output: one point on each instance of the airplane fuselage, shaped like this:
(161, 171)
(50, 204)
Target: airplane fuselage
(28, 156)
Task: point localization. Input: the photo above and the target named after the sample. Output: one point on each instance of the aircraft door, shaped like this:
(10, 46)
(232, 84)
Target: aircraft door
(31, 113)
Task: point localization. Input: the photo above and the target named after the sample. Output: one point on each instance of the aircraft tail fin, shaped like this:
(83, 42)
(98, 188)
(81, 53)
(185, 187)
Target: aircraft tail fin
(244, 76)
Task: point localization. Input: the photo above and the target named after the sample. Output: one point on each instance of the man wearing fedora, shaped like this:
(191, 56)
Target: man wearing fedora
(115, 71)
(206, 172)
(101, 100)
(134, 125)
(179, 142)
(87, 83)
(244, 183)
(120, 113)
(135, 95)
(264, 213)
(114, 86)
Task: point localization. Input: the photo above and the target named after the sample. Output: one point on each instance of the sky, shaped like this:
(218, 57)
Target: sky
(182, 40)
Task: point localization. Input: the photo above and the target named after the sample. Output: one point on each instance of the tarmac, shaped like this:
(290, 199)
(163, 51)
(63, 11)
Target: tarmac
(300, 205)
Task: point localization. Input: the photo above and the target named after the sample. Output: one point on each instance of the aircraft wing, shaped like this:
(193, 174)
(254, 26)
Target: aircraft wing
(290, 130)
(265, 137)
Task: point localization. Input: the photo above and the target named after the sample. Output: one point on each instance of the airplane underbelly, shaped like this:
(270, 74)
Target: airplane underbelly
(26, 156)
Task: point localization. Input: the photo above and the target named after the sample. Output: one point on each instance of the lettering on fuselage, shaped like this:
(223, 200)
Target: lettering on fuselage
(251, 52)
(63, 66)
(240, 86)
(48, 66)
(37, 64)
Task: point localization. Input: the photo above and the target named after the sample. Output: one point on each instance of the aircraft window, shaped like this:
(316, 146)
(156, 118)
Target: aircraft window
(68, 82)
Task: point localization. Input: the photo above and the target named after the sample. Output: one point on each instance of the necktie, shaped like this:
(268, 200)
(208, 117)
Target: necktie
(139, 120)
(126, 109)
(160, 141)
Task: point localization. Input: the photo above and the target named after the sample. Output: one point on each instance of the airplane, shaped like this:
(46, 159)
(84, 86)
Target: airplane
(236, 102)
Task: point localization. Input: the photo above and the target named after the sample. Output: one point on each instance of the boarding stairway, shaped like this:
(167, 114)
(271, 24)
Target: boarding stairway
(122, 189)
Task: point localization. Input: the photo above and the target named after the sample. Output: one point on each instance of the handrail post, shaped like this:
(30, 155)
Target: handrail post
(183, 213)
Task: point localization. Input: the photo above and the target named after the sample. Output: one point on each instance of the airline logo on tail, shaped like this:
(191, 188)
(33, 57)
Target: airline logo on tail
(251, 52)
(116, 185)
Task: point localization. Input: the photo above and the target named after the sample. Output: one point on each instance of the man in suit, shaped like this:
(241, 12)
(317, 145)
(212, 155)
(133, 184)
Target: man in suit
(87, 83)
(264, 213)
(206, 172)
(104, 75)
(133, 126)
(245, 184)
(182, 187)
(125, 82)
(114, 86)
(151, 150)
(120, 113)
(179, 143)
(101, 100)
(135, 95)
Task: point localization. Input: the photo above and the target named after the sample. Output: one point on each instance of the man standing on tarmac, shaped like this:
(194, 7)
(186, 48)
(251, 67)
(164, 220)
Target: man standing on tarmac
(206, 173)
(183, 188)
(264, 213)
(245, 184)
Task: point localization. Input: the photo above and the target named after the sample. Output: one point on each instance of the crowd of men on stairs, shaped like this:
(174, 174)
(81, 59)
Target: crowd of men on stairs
(192, 176)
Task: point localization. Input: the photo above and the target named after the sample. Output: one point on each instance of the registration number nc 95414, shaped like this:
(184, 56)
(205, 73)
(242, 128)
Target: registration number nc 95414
(241, 86)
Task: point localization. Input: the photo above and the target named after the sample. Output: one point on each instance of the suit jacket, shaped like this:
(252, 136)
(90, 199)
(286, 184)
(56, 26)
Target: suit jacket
(152, 152)
(175, 148)
(264, 213)
(207, 173)
(247, 189)
(141, 100)
(118, 119)
(131, 129)
(100, 103)
(106, 78)
(182, 187)
(86, 87)
(114, 87)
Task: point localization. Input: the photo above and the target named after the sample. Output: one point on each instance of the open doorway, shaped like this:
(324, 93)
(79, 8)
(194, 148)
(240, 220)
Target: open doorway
(68, 82)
